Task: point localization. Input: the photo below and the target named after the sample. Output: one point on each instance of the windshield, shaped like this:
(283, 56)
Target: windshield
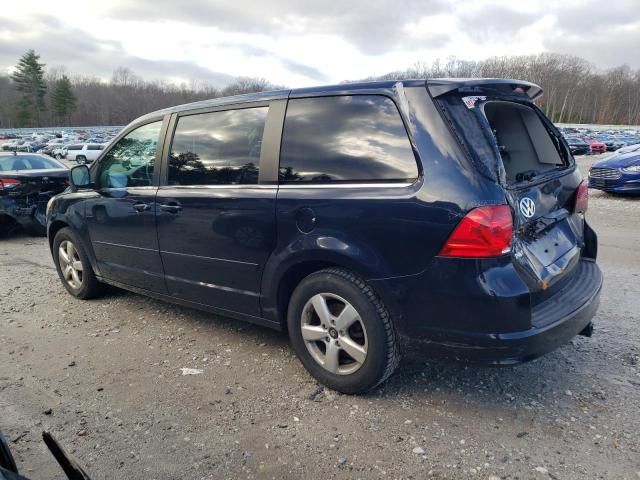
(28, 162)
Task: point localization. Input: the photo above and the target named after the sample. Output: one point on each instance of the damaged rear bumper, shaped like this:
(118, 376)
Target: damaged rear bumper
(28, 216)
(554, 322)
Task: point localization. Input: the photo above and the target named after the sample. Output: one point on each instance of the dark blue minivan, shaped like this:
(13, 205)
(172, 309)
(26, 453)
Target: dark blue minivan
(364, 219)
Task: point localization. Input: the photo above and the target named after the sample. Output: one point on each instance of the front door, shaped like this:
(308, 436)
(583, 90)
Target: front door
(216, 220)
(121, 216)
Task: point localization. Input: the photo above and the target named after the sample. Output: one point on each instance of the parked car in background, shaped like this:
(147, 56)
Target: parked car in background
(610, 143)
(578, 146)
(60, 152)
(358, 217)
(51, 146)
(629, 148)
(619, 173)
(596, 146)
(84, 152)
(12, 145)
(27, 182)
(31, 147)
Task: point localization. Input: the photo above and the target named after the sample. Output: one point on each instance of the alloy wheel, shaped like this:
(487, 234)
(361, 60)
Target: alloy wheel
(70, 264)
(334, 333)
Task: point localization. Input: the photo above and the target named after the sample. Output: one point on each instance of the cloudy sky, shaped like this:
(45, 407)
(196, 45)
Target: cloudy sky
(307, 42)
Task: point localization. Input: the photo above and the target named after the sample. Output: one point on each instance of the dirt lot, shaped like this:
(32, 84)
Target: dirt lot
(105, 377)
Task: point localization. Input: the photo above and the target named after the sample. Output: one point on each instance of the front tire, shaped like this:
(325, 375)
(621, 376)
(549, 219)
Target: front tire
(73, 266)
(342, 332)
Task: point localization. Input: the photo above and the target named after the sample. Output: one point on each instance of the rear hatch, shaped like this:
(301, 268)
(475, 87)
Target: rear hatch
(511, 142)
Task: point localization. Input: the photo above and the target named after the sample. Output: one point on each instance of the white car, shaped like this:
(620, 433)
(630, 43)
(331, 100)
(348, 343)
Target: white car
(60, 151)
(84, 152)
(12, 144)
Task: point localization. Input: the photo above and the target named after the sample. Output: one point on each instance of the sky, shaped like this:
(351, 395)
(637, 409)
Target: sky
(300, 43)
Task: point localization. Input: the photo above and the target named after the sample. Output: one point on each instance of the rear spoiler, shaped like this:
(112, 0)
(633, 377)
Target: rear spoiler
(441, 86)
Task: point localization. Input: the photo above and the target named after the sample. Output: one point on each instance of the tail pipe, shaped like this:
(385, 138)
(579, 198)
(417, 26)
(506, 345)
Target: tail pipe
(587, 331)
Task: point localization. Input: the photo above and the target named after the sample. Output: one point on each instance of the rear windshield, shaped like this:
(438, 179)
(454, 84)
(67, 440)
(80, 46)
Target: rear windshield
(26, 162)
(509, 140)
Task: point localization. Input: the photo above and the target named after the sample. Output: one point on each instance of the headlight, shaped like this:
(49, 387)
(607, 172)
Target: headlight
(631, 169)
(49, 203)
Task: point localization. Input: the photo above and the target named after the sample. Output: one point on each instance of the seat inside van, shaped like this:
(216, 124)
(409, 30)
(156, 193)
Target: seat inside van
(525, 145)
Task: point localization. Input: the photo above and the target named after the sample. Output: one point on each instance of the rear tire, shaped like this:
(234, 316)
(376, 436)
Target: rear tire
(342, 332)
(81, 159)
(73, 266)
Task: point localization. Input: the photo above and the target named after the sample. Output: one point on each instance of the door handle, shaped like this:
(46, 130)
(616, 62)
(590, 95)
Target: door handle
(170, 207)
(140, 207)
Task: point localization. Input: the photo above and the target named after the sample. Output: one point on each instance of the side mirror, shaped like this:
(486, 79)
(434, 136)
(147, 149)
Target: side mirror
(80, 177)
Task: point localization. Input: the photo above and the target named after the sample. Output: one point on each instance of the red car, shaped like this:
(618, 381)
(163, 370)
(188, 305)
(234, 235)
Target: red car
(597, 146)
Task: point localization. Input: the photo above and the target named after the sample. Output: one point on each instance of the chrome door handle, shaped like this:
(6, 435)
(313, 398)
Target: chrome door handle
(170, 207)
(140, 207)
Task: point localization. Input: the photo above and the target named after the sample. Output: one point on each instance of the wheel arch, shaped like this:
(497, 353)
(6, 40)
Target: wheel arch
(58, 224)
(53, 229)
(279, 284)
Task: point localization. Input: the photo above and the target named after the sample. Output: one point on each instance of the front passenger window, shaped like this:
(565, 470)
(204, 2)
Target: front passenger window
(130, 162)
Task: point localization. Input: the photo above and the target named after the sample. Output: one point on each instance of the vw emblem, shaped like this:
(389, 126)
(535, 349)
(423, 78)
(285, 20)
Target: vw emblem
(527, 207)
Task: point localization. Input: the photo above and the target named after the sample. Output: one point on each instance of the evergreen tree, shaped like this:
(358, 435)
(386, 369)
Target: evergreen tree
(29, 80)
(63, 101)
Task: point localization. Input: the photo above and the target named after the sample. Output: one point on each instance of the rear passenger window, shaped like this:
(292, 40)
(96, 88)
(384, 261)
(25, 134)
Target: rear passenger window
(358, 138)
(217, 148)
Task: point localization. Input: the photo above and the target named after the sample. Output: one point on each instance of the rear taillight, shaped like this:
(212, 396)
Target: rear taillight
(7, 183)
(582, 197)
(483, 232)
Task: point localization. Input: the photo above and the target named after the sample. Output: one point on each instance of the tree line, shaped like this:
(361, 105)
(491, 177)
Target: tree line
(575, 90)
(34, 96)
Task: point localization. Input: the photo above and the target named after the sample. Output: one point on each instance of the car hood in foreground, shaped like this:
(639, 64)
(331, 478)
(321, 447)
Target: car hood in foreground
(619, 161)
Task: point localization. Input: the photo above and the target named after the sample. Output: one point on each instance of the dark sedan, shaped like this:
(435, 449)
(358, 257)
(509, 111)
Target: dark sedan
(619, 173)
(27, 182)
(578, 146)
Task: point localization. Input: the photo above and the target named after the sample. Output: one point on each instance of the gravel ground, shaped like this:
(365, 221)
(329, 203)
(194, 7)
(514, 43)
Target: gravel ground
(105, 377)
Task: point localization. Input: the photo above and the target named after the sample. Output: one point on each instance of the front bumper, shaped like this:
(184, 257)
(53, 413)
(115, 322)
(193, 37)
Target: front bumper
(627, 183)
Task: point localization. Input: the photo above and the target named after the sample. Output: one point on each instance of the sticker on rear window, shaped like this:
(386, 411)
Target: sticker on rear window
(470, 102)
